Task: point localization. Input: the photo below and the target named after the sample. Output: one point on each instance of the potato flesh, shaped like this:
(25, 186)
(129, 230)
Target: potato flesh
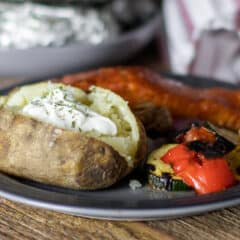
(19, 97)
(126, 142)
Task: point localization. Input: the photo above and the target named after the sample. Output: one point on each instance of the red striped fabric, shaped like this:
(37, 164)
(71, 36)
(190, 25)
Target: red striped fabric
(204, 37)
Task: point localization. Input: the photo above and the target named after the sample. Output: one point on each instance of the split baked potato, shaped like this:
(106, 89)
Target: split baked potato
(62, 154)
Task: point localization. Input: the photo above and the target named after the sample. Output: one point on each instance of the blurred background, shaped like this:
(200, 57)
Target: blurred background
(49, 38)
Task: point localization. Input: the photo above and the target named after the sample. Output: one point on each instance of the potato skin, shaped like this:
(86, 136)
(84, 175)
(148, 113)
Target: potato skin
(44, 153)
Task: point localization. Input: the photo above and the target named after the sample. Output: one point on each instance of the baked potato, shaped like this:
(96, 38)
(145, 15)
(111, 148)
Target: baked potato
(41, 143)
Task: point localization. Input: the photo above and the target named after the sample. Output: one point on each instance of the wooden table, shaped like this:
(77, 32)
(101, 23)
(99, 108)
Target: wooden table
(21, 222)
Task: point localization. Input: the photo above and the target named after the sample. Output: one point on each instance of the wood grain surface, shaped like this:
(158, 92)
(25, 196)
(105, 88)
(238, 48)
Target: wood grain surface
(22, 222)
(19, 222)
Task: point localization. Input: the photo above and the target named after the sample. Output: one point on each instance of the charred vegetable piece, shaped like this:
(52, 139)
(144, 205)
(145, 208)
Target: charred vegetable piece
(160, 174)
(234, 161)
(167, 182)
(205, 175)
(157, 119)
(206, 139)
(155, 165)
(227, 134)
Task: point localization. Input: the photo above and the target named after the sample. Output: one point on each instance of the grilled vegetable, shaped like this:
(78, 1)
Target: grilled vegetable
(234, 161)
(205, 139)
(198, 161)
(205, 175)
(229, 135)
(167, 182)
(160, 174)
(155, 119)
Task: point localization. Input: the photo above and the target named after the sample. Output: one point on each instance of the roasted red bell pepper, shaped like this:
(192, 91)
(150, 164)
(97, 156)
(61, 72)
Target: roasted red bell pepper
(205, 175)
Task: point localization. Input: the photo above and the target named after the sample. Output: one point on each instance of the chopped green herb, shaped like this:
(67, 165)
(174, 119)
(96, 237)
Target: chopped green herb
(73, 124)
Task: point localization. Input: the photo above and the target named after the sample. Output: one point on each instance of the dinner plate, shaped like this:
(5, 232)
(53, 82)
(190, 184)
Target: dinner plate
(120, 202)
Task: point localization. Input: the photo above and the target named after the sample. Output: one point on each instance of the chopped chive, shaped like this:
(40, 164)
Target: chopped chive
(73, 124)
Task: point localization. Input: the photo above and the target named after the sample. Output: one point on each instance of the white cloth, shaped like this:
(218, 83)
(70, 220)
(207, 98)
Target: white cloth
(204, 37)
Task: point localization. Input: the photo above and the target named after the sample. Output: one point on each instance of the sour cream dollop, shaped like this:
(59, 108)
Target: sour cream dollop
(60, 108)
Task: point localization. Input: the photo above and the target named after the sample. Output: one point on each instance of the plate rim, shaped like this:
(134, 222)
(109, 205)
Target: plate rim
(129, 214)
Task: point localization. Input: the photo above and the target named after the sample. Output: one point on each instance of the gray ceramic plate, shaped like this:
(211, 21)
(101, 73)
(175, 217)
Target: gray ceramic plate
(120, 202)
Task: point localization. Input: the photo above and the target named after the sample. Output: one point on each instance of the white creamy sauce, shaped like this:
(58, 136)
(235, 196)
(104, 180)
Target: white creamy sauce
(60, 109)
